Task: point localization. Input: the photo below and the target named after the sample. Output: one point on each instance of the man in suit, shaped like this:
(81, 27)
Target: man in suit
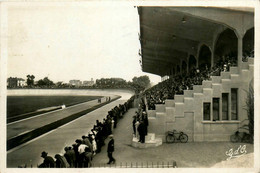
(110, 149)
(70, 156)
(141, 131)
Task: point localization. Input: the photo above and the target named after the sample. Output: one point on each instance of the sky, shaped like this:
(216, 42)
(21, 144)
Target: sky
(72, 42)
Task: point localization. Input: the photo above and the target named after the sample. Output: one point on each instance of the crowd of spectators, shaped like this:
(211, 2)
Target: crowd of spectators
(248, 54)
(81, 153)
(178, 83)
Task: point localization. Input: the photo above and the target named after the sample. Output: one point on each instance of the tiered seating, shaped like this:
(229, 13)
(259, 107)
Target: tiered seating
(174, 113)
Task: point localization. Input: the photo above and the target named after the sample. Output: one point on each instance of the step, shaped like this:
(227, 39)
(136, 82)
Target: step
(151, 113)
(250, 61)
(169, 103)
(244, 65)
(216, 88)
(170, 111)
(225, 75)
(160, 114)
(188, 93)
(150, 136)
(189, 104)
(245, 74)
(251, 68)
(226, 85)
(235, 77)
(216, 79)
(179, 109)
(206, 84)
(207, 94)
(233, 70)
(198, 97)
(178, 98)
(160, 107)
(148, 143)
(197, 88)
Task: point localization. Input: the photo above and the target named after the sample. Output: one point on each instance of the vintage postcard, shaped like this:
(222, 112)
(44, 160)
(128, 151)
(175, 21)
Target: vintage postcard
(129, 85)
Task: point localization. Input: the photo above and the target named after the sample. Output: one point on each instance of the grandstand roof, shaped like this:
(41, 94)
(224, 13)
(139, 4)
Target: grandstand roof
(169, 35)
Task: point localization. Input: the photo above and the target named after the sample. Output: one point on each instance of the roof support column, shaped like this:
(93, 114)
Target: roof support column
(197, 62)
(180, 68)
(212, 55)
(239, 50)
(187, 62)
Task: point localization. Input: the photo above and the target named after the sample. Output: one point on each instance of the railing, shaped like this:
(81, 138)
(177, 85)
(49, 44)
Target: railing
(137, 165)
(122, 165)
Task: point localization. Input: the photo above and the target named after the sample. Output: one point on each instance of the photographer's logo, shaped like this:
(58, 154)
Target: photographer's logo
(240, 151)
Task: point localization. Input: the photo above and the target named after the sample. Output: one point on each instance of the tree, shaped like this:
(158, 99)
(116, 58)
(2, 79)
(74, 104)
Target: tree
(250, 110)
(30, 80)
(45, 82)
(141, 82)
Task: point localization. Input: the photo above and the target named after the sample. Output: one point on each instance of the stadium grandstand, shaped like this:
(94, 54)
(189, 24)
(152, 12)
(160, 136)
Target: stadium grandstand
(205, 57)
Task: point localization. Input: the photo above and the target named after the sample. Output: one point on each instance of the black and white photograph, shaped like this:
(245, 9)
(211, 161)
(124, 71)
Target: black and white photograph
(129, 86)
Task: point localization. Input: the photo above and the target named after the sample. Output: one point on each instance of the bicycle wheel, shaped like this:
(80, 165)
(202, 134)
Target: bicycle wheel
(235, 138)
(170, 138)
(183, 138)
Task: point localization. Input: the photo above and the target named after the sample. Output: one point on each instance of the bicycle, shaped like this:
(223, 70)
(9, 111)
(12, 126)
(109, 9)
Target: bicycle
(172, 136)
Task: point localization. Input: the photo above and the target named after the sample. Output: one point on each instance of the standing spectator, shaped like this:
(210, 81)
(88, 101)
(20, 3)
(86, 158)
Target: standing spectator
(133, 123)
(87, 158)
(141, 131)
(81, 150)
(61, 161)
(48, 161)
(94, 144)
(70, 156)
(136, 128)
(145, 119)
(87, 142)
(110, 150)
(75, 148)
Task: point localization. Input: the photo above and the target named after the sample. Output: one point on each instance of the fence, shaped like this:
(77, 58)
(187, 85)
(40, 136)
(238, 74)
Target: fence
(124, 165)
(137, 165)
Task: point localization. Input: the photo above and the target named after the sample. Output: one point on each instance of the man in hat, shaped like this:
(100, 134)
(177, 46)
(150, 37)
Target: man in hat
(70, 156)
(86, 141)
(61, 161)
(48, 161)
(110, 150)
(81, 150)
(133, 124)
(141, 131)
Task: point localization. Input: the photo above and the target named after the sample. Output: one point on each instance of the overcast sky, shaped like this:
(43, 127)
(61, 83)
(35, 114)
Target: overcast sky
(71, 42)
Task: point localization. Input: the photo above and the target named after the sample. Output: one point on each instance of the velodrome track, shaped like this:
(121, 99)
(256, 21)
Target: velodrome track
(22, 126)
(54, 141)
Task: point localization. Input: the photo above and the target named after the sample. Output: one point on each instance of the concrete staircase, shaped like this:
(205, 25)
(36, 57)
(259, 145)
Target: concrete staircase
(189, 106)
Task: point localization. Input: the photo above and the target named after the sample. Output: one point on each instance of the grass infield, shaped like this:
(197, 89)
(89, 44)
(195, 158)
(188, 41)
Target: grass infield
(30, 105)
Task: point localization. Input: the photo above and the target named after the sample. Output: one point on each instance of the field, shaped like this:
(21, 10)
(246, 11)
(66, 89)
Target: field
(18, 105)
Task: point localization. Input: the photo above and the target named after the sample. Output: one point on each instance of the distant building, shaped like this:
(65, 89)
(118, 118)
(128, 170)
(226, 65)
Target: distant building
(89, 83)
(75, 82)
(13, 82)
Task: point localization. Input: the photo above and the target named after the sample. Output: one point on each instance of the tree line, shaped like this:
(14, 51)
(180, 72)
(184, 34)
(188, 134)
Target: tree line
(138, 83)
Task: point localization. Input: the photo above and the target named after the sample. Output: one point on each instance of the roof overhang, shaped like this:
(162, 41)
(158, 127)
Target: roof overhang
(168, 35)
